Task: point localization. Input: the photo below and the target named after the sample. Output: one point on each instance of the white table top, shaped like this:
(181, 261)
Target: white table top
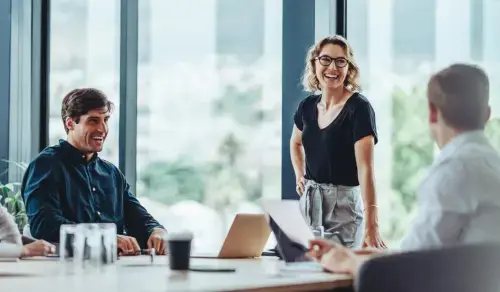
(138, 274)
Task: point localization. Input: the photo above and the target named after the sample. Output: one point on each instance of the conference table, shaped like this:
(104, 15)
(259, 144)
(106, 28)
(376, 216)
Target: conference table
(139, 273)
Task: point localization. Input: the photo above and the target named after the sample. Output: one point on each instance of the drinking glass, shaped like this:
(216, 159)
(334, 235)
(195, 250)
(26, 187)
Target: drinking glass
(318, 231)
(92, 245)
(108, 243)
(100, 247)
(70, 247)
(87, 247)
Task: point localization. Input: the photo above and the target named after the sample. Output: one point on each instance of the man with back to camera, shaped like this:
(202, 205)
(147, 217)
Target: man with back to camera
(459, 201)
(69, 183)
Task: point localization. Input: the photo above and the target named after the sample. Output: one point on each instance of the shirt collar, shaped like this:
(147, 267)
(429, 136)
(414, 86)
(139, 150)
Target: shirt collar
(74, 154)
(458, 141)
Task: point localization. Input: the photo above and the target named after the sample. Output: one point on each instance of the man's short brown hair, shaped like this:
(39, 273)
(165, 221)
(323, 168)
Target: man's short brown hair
(461, 93)
(80, 101)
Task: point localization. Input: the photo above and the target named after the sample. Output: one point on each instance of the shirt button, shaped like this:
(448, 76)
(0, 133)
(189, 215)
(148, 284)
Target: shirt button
(93, 189)
(98, 213)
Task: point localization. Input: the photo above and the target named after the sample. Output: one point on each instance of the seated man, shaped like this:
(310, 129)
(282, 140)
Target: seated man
(459, 201)
(68, 183)
(11, 240)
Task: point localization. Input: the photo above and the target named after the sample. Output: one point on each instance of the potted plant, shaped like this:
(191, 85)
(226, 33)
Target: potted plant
(11, 198)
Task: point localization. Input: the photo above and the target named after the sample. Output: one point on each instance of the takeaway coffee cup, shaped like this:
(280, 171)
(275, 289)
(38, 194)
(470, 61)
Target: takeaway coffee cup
(179, 250)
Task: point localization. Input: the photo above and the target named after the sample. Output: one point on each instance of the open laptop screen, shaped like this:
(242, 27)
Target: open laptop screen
(289, 250)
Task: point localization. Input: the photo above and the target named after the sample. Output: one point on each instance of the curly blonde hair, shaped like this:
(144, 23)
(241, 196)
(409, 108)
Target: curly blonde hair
(309, 79)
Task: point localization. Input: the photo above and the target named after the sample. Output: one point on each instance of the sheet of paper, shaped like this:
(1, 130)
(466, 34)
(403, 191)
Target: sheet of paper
(286, 214)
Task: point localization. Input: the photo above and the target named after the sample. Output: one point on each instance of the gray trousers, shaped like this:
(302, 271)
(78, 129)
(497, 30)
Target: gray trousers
(336, 208)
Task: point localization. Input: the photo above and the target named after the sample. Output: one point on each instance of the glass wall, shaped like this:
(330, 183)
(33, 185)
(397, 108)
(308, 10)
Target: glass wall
(398, 45)
(84, 52)
(209, 97)
(209, 111)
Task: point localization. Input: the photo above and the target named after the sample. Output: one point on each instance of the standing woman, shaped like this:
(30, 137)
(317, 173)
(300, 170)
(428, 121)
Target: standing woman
(332, 147)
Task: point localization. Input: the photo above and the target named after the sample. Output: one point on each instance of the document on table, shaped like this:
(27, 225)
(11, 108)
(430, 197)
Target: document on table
(286, 214)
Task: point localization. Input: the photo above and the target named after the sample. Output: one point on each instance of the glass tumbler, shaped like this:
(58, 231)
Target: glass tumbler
(71, 247)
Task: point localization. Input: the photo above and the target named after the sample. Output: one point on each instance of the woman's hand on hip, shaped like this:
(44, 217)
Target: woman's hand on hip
(300, 185)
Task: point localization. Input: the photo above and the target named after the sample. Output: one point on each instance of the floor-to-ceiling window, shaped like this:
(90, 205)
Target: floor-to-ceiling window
(209, 111)
(84, 52)
(399, 44)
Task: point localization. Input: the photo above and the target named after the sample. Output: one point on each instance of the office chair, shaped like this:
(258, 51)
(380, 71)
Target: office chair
(459, 269)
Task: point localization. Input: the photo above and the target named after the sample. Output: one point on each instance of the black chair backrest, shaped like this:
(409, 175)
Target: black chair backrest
(465, 268)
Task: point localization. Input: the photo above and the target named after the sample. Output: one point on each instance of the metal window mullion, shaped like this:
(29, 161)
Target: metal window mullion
(341, 18)
(127, 149)
(40, 60)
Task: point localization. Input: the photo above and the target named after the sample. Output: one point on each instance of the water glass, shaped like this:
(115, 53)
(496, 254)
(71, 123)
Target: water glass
(70, 247)
(87, 246)
(99, 245)
(109, 246)
(318, 231)
(92, 245)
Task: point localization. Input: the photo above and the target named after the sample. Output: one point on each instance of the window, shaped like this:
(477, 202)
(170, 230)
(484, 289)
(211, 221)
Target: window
(398, 45)
(84, 52)
(209, 112)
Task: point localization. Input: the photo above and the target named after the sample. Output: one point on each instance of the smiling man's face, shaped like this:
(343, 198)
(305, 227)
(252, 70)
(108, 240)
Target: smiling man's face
(88, 132)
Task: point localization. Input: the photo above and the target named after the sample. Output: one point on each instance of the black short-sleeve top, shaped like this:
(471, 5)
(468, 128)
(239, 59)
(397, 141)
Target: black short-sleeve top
(329, 152)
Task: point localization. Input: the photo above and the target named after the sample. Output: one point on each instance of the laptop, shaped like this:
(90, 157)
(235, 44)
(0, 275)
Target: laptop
(246, 238)
(292, 235)
(294, 254)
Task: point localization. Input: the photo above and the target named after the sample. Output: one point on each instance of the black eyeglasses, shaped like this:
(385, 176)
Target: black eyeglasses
(340, 62)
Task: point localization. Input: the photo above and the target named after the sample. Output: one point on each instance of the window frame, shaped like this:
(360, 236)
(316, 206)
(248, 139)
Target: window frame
(28, 85)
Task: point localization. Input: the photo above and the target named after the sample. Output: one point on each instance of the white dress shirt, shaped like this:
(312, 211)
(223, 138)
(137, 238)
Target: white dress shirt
(10, 237)
(459, 200)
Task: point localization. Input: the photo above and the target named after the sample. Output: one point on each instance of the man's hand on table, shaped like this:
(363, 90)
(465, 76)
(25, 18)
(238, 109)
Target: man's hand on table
(157, 241)
(128, 245)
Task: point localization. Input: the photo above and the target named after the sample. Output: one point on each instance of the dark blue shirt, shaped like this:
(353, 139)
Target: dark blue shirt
(61, 187)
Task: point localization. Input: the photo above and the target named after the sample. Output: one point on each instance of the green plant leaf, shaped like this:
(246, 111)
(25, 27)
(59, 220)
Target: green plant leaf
(10, 186)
